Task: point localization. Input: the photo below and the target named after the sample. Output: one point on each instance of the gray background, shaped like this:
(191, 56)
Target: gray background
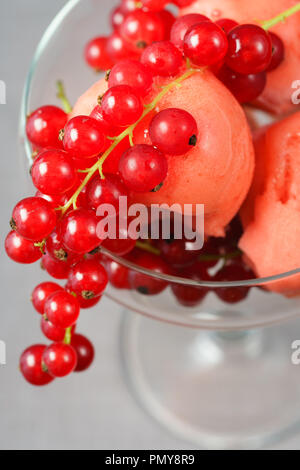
(92, 411)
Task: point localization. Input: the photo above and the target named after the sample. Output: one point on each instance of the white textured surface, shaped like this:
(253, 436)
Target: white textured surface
(91, 411)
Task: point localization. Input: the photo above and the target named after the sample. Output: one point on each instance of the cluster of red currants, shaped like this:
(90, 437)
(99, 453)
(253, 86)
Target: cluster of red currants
(240, 55)
(73, 175)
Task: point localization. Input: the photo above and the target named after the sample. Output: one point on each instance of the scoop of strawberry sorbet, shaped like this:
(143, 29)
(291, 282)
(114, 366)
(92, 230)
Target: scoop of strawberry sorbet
(218, 171)
(277, 95)
(271, 213)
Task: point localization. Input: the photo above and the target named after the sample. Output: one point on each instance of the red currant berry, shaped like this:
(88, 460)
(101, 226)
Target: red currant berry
(233, 272)
(117, 48)
(60, 359)
(96, 54)
(56, 249)
(190, 296)
(245, 88)
(205, 44)
(41, 293)
(55, 201)
(83, 137)
(21, 250)
(182, 25)
(107, 191)
(108, 129)
(62, 309)
(277, 52)
(88, 303)
(117, 17)
(141, 28)
(145, 284)
(183, 3)
(154, 5)
(43, 126)
(128, 5)
(162, 58)
(249, 49)
(143, 168)
(87, 279)
(54, 267)
(173, 131)
(132, 73)
(53, 172)
(31, 366)
(84, 350)
(168, 20)
(79, 231)
(117, 274)
(121, 106)
(120, 243)
(34, 218)
(54, 333)
(226, 24)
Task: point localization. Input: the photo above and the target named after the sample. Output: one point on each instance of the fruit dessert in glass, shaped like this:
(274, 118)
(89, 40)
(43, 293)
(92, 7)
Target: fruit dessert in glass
(166, 125)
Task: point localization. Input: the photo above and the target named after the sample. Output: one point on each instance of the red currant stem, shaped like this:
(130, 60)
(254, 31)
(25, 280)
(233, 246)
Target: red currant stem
(281, 17)
(41, 246)
(61, 95)
(128, 132)
(68, 335)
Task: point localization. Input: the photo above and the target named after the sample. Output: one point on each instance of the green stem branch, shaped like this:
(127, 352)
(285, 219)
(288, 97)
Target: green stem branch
(61, 95)
(68, 335)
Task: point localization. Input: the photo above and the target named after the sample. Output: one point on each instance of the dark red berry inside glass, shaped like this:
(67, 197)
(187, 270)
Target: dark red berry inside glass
(84, 350)
(190, 296)
(96, 54)
(31, 366)
(105, 191)
(162, 58)
(133, 73)
(249, 49)
(21, 250)
(182, 25)
(141, 28)
(84, 137)
(117, 17)
(120, 243)
(143, 168)
(245, 88)
(121, 106)
(154, 5)
(60, 359)
(277, 52)
(205, 44)
(117, 274)
(53, 172)
(62, 309)
(41, 293)
(54, 333)
(43, 126)
(56, 249)
(234, 271)
(145, 284)
(173, 131)
(178, 253)
(34, 218)
(118, 49)
(88, 279)
(79, 231)
(226, 24)
(55, 268)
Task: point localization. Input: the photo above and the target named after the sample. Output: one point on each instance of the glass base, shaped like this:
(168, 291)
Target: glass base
(230, 390)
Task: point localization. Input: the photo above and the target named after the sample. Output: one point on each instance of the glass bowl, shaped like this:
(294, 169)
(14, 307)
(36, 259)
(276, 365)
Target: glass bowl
(217, 375)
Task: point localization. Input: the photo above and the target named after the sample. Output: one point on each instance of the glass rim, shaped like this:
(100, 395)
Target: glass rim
(25, 109)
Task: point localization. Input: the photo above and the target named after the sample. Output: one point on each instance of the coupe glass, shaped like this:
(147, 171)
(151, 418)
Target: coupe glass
(216, 375)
